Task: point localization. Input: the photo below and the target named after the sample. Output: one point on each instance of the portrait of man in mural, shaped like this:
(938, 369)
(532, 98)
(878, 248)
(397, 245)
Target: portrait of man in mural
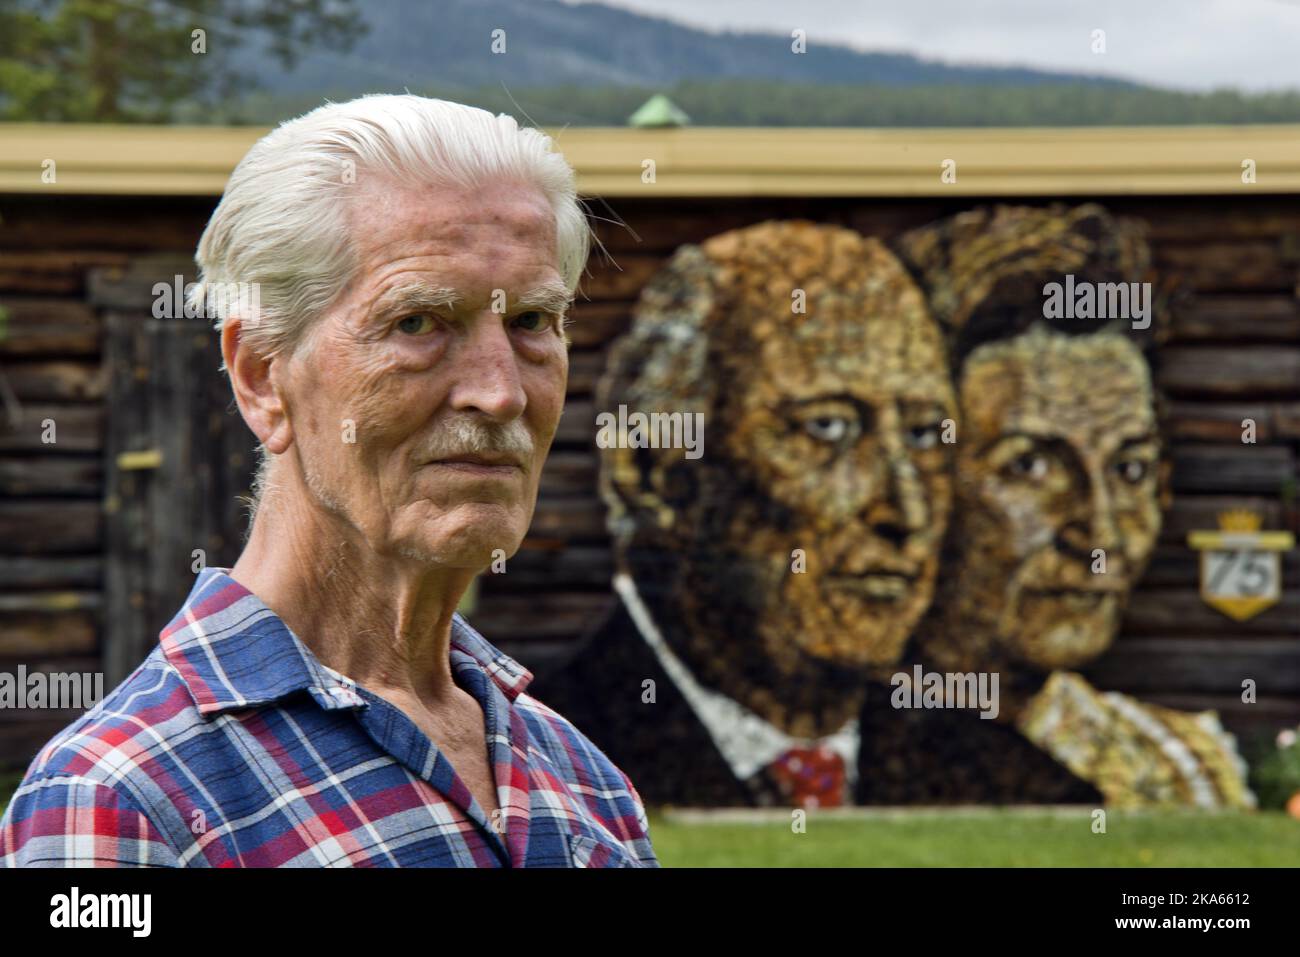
(763, 582)
(1060, 483)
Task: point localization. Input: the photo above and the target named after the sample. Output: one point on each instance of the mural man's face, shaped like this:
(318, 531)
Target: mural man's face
(840, 426)
(1059, 457)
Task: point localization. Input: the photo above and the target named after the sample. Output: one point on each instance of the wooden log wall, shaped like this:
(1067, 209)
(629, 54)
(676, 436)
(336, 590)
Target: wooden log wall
(1234, 353)
(52, 559)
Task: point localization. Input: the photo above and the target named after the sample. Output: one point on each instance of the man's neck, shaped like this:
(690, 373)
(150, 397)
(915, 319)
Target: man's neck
(384, 621)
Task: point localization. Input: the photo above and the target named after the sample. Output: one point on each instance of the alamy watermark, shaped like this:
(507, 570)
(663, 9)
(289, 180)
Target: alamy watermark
(179, 300)
(55, 689)
(74, 909)
(933, 689)
(651, 430)
(1098, 300)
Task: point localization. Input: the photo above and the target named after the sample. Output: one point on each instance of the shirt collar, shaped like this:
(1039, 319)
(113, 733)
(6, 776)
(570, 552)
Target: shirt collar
(747, 741)
(233, 652)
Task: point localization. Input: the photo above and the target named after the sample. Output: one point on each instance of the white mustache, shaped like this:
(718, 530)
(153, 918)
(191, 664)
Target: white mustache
(465, 435)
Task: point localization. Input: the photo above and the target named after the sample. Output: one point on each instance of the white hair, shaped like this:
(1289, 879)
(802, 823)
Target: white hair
(282, 222)
(281, 227)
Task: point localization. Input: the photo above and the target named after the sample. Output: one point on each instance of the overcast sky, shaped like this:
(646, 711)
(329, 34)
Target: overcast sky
(1181, 44)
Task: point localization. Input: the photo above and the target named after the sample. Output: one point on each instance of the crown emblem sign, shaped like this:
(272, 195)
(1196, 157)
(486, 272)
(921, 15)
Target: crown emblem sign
(1241, 565)
(1240, 520)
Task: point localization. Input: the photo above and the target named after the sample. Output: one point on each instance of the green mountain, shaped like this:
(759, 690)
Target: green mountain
(590, 64)
(448, 43)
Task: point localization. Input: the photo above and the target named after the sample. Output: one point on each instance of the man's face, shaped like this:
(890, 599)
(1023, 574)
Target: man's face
(840, 426)
(1059, 456)
(423, 403)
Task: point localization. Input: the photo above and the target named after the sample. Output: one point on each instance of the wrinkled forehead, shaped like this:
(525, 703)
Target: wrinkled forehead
(1093, 390)
(386, 214)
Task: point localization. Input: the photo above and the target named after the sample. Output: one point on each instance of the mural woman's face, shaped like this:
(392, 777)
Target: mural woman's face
(1058, 491)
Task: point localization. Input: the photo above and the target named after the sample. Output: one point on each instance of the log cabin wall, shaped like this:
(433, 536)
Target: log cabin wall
(1234, 353)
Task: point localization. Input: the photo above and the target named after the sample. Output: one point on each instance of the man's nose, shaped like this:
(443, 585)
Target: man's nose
(1091, 520)
(898, 510)
(486, 372)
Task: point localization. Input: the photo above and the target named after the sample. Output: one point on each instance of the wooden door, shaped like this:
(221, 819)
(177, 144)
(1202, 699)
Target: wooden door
(178, 458)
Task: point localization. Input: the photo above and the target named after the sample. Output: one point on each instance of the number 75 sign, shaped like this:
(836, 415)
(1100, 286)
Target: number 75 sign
(1241, 566)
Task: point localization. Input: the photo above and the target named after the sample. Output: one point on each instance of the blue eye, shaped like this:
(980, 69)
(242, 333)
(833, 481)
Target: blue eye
(534, 321)
(827, 428)
(1132, 471)
(923, 436)
(1030, 466)
(416, 325)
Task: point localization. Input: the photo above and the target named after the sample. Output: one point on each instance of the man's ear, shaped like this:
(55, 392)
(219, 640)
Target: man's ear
(254, 380)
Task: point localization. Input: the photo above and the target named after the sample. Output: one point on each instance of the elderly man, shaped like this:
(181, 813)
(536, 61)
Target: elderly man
(321, 703)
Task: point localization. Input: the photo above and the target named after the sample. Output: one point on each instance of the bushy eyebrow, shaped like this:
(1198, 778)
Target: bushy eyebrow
(551, 296)
(415, 297)
(1145, 438)
(420, 296)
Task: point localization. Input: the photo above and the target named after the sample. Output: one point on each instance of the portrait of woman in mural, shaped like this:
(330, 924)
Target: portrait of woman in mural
(1060, 483)
(761, 583)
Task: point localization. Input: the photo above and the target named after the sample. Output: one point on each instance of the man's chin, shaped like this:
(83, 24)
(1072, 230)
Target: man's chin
(874, 645)
(475, 558)
(475, 546)
(1069, 642)
(872, 624)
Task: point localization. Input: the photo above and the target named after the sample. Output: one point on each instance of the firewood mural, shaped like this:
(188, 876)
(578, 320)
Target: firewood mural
(942, 458)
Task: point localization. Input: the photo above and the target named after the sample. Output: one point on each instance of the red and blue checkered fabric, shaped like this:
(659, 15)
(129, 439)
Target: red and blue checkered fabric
(233, 746)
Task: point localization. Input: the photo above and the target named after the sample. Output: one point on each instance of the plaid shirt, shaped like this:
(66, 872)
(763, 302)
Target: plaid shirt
(232, 745)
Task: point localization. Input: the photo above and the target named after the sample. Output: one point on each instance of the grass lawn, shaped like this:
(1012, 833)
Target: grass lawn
(984, 838)
(977, 837)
